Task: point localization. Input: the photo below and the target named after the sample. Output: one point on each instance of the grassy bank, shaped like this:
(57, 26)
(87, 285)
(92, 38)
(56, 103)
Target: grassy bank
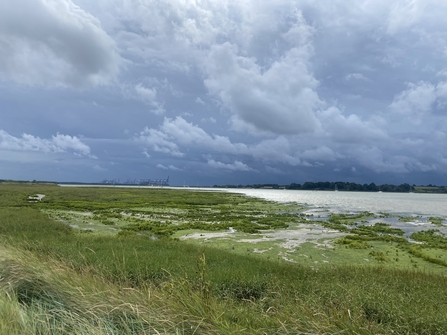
(60, 280)
(430, 189)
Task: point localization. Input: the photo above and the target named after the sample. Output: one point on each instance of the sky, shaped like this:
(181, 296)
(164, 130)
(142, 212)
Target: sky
(224, 91)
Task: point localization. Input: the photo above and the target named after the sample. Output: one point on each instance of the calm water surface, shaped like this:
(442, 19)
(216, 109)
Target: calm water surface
(397, 203)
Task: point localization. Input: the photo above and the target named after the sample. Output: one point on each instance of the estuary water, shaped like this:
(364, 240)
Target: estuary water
(393, 203)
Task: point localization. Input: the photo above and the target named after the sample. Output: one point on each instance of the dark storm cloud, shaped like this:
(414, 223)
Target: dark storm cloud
(231, 90)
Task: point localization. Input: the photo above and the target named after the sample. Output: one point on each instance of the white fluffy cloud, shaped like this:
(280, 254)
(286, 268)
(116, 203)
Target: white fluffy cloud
(281, 98)
(169, 167)
(159, 141)
(177, 133)
(419, 100)
(54, 42)
(358, 76)
(98, 168)
(149, 96)
(236, 166)
(275, 150)
(351, 129)
(416, 101)
(380, 161)
(67, 142)
(57, 144)
(174, 133)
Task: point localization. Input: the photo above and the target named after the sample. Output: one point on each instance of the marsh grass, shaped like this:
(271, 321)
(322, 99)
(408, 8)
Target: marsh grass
(224, 294)
(56, 280)
(436, 220)
(47, 297)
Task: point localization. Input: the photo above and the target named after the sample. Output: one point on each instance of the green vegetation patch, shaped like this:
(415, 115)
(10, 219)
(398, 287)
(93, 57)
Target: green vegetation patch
(430, 189)
(353, 244)
(436, 220)
(432, 238)
(378, 229)
(409, 218)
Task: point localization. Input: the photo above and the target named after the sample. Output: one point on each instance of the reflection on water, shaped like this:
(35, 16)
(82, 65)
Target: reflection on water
(396, 203)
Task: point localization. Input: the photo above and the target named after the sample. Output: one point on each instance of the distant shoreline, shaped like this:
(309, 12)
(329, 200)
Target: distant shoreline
(307, 186)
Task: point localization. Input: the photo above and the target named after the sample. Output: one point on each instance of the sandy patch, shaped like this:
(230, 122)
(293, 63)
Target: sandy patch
(291, 239)
(259, 251)
(205, 236)
(294, 238)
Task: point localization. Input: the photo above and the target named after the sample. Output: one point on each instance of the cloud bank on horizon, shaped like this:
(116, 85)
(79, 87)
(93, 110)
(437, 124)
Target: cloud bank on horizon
(224, 92)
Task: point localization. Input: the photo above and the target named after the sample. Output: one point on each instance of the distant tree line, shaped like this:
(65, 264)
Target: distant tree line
(346, 186)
